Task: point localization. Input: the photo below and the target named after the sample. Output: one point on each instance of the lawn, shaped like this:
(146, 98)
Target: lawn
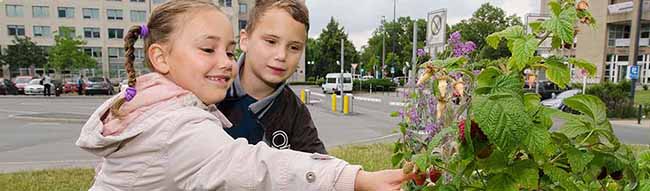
(373, 157)
(642, 97)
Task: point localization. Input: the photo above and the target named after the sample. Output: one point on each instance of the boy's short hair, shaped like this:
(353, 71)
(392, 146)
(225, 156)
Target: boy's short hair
(295, 8)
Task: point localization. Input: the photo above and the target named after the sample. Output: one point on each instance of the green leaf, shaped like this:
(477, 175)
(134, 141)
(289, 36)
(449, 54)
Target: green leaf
(556, 42)
(502, 119)
(574, 127)
(589, 105)
(397, 158)
(501, 182)
(488, 77)
(535, 26)
(493, 40)
(394, 114)
(558, 175)
(578, 159)
(537, 139)
(421, 161)
(561, 24)
(511, 84)
(510, 33)
(555, 7)
(532, 102)
(526, 173)
(522, 50)
(557, 71)
(584, 64)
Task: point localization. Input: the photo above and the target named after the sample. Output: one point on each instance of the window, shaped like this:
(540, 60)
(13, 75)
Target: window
(243, 8)
(242, 24)
(158, 1)
(66, 12)
(90, 13)
(138, 1)
(40, 11)
(116, 52)
(138, 16)
(225, 3)
(139, 53)
(115, 33)
(42, 31)
(114, 14)
(14, 10)
(91, 32)
(67, 31)
(16, 30)
(93, 51)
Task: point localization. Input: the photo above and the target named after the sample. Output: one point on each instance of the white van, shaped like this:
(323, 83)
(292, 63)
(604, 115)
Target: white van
(331, 82)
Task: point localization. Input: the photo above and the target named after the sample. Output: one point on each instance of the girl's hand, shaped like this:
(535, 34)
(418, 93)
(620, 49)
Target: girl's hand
(384, 180)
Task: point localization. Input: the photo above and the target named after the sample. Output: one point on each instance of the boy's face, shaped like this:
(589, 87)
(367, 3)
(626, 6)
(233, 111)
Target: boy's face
(200, 56)
(274, 47)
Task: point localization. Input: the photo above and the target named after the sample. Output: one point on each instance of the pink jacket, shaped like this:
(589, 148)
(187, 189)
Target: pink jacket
(170, 140)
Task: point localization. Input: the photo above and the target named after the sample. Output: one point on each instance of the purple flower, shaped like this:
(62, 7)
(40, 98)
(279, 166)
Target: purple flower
(476, 72)
(413, 115)
(421, 52)
(454, 38)
(430, 128)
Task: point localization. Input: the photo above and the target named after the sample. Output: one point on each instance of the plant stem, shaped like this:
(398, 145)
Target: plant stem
(481, 176)
(587, 137)
(544, 38)
(557, 157)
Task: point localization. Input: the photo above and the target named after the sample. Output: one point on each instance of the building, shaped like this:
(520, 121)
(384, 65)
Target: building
(101, 23)
(607, 45)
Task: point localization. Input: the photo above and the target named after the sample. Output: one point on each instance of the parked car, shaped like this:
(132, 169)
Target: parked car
(21, 82)
(98, 85)
(7, 87)
(34, 87)
(546, 89)
(70, 86)
(332, 80)
(556, 100)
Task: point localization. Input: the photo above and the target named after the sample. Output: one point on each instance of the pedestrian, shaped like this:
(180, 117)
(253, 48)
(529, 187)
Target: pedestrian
(47, 85)
(164, 131)
(80, 85)
(260, 103)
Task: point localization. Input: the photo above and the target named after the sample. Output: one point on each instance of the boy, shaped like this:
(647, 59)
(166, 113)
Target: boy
(260, 104)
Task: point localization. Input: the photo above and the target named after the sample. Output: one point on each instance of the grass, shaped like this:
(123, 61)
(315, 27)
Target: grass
(372, 157)
(642, 97)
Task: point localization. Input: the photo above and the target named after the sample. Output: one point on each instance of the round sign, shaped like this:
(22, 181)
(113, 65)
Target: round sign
(436, 24)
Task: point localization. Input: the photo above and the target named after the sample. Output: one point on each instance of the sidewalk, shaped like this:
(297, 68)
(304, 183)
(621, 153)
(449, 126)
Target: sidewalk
(645, 123)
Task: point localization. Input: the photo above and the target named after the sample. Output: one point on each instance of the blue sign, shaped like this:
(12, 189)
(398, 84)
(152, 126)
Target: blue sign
(634, 72)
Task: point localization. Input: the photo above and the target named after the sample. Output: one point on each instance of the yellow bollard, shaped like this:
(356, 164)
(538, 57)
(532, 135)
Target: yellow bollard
(334, 103)
(346, 104)
(302, 96)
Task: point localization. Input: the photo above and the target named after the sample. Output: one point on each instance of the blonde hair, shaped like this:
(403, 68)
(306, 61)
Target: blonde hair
(162, 22)
(295, 8)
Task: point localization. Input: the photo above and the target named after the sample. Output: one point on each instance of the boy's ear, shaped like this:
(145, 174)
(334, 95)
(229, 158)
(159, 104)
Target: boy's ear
(157, 57)
(243, 40)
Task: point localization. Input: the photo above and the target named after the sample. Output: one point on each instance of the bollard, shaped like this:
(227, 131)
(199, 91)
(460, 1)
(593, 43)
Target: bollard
(307, 97)
(333, 102)
(302, 96)
(346, 104)
(350, 103)
(640, 114)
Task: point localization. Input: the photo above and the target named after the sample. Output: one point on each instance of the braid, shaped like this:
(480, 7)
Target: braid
(129, 43)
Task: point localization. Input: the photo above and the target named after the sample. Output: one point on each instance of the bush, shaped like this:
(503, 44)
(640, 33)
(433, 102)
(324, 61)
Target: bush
(645, 87)
(377, 85)
(616, 97)
(304, 83)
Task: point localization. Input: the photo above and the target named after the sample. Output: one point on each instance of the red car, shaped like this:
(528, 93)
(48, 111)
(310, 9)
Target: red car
(21, 82)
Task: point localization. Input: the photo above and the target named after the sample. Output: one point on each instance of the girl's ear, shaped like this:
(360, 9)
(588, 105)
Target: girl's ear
(158, 59)
(243, 40)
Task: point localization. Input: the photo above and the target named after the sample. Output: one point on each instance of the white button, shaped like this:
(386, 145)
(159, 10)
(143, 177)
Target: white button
(311, 177)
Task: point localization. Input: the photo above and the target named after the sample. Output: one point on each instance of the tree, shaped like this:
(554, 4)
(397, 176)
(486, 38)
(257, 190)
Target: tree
(67, 54)
(486, 20)
(312, 55)
(23, 53)
(401, 32)
(328, 50)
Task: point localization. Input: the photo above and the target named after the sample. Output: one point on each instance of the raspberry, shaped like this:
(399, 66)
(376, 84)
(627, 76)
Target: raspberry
(408, 167)
(603, 173)
(617, 175)
(434, 174)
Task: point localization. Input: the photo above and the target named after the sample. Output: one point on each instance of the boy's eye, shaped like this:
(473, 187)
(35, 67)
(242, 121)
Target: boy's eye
(270, 41)
(230, 55)
(295, 48)
(207, 50)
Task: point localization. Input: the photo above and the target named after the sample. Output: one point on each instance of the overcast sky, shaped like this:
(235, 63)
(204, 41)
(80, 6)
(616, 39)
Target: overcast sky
(361, 17)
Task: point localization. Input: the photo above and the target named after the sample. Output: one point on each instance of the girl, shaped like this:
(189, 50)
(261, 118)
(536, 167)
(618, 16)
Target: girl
(164, 132)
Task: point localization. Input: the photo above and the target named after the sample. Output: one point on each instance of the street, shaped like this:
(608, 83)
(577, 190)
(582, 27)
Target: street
(38, 132)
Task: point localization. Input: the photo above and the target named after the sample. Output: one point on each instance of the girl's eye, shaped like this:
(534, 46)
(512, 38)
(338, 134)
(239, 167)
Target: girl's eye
(270, 41)
(207, 50)
(230, 55)
(295, 48)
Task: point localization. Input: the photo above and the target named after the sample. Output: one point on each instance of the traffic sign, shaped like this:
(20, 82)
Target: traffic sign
(634, 72)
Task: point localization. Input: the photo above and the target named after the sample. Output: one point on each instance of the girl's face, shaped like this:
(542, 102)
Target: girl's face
(199, 55)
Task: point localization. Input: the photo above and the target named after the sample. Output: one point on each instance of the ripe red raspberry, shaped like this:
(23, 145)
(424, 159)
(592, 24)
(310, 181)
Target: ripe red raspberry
(434, 174)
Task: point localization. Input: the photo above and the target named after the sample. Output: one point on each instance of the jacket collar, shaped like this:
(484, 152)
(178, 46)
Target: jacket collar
(261, 106)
